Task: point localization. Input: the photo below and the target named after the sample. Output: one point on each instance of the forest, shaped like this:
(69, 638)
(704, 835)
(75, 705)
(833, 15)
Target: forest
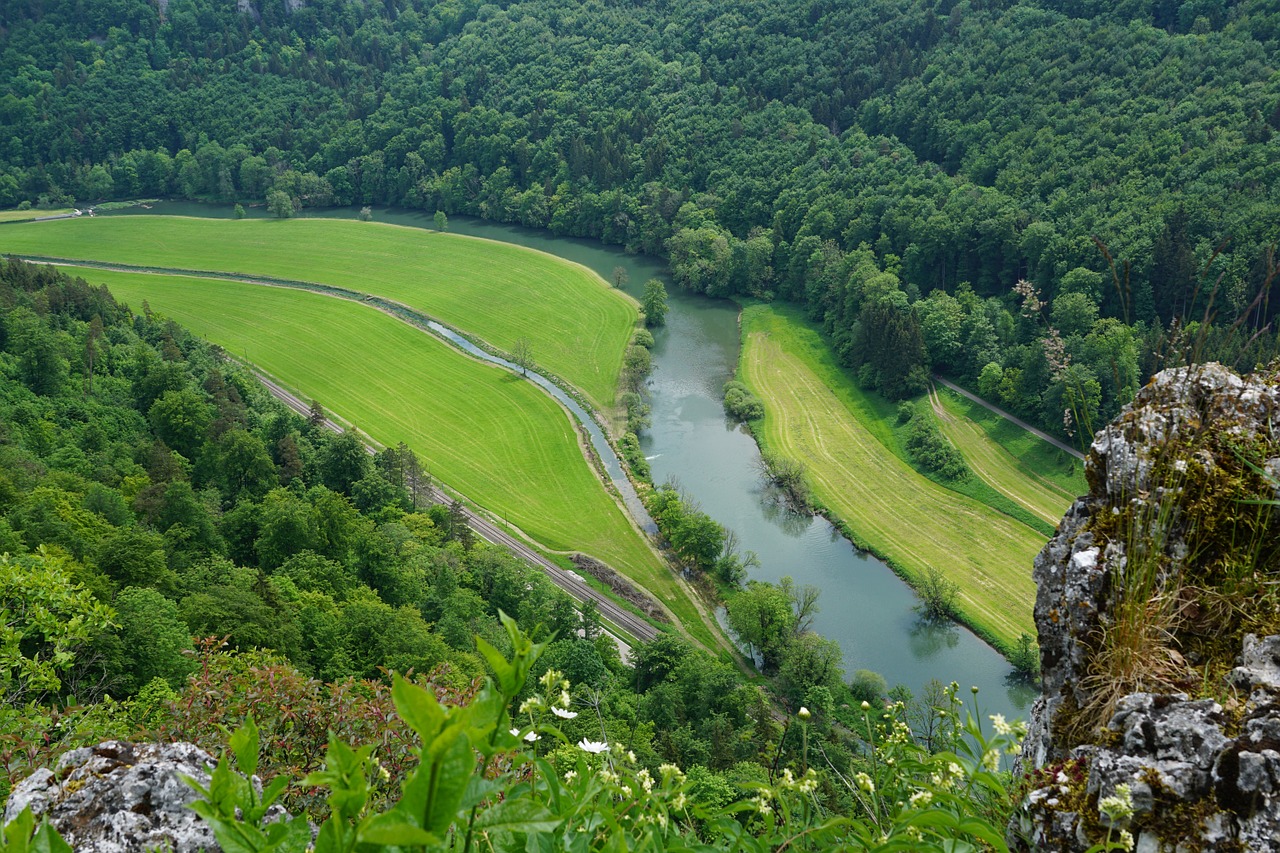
(161, 482)
(1045, 201)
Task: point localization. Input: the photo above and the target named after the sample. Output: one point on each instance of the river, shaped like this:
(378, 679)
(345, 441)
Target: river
(864, 606)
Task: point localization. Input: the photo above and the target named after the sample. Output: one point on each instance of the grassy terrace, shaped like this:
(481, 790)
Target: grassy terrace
(816, 414)
(577, 325)
(487, 433)
(1044, 481)
(1053, 472)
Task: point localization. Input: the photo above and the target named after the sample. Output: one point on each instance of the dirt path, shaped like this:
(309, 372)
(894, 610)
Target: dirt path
(1008, 417)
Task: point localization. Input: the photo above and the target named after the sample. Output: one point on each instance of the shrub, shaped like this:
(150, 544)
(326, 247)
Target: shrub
(740, 404)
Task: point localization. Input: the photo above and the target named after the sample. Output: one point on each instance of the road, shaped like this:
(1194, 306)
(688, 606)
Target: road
(1008, 417)
(577, 588)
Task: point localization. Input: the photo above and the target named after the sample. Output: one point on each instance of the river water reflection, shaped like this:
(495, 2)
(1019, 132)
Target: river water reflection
(864, 606)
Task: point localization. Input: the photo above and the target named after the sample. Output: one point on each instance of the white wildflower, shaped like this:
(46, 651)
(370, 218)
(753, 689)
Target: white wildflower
(865, 783)
(570, 775)
(1001, 727)
(761, 801)
(563, 714)
(595, 747)
(804, 713)
(646, 781)
(1117, 808)
(920, 799)
(529, 704)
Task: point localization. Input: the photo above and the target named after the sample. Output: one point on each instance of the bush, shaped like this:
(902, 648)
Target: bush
(868, 686)
(629, 445)
(789, 476)
(740, 404)
(931, 451)
(937, 594)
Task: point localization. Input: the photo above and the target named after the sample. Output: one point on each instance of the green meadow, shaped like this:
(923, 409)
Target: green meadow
(482, 430)
(1026, 464)
(578, 327)
(816, 414)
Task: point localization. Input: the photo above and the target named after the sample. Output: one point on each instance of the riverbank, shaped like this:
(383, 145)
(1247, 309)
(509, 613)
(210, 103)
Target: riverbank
(912, 523)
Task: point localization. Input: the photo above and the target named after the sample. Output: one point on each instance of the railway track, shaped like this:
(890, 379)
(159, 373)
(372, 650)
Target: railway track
(573, 585)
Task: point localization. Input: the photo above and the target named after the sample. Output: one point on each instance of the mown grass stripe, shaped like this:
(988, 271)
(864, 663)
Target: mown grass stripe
(903, 517)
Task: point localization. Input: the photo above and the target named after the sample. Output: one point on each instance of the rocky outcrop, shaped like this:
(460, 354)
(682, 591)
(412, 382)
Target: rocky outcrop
(1155, 584)
(117, 797)
(621, 587)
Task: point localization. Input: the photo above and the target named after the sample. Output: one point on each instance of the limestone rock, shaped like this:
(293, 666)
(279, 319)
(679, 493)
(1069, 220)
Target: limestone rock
(1198, 775)
(119, 797)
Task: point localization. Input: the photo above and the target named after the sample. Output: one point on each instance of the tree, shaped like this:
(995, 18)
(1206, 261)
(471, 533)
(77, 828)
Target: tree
(240, 211)
(762, 616)
(937, 594)
(366, 213)
(279, 204)
(44, 618)
(522, 355)
(315, 414)
(344, 462)
(152, 640)
(181, 419)
(810, 661)
(654, 303)
(441, 220)
(620, 277)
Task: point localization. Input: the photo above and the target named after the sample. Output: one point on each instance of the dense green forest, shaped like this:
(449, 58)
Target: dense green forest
(151, 492)
(896, 167)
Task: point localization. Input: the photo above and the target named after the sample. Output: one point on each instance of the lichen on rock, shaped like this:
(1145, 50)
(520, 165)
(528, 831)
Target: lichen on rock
(1156, 583)
(119, 796)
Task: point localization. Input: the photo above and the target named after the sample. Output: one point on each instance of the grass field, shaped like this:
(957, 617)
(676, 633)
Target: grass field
(24, 215)
(483, 431)
(577, 325)
(1037, 459)
(1033, 486)
(905, 518)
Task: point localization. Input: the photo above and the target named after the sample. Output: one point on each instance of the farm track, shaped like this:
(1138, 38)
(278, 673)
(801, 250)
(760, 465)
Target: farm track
(570, 583)
(1044, 436)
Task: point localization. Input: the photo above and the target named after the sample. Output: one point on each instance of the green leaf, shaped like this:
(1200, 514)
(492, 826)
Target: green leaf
(505, 672)
(292, 836)
(391, 829)
(19, 831)
(244, 743)
(517, 815)
(273, 791)
(418, 708)
(47, 840)
(451, 772)
(980, 829)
